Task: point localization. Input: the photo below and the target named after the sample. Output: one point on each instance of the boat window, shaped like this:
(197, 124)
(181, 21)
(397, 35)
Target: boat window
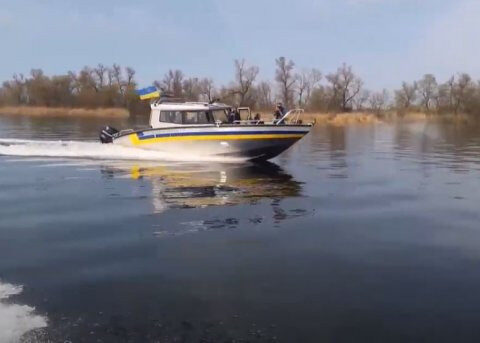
(220, 115)
(174, 117)
(197, 117)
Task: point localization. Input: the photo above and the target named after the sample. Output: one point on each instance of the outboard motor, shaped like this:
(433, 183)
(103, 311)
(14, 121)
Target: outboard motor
(107, 134)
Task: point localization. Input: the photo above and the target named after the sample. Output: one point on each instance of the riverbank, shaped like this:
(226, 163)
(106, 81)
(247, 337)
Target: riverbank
(42, 111)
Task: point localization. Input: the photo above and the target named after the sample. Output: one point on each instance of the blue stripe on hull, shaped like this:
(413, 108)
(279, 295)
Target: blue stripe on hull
(141, 137)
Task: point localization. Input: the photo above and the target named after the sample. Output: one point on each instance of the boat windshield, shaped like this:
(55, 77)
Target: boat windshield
(220, 115)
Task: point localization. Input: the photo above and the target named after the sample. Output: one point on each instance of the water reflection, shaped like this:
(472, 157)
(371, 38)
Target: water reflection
(203, 185)
(455, 146)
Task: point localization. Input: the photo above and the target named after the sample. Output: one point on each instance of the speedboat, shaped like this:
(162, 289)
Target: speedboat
(204, 130)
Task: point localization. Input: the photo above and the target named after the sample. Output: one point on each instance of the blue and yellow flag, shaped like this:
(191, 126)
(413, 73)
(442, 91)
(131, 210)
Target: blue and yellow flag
(148, 93)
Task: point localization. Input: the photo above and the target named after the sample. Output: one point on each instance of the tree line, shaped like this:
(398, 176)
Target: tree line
(308, 88)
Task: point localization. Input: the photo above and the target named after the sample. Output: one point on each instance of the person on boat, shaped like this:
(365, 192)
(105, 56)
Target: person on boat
(231, 115)
(237, 115)
(234, 115)
(279, 111)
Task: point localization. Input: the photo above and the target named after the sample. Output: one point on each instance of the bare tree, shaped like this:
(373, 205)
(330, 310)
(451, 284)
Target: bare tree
(463, 90)
(116, 75)
(345, 86)
(361, 99)
(378, 101)
(191, 88)
(406, 96)
(100, 71)
(285, 78)
(427, 87)
(207, 89)
(264, 95)
(172, 83)
(306, 82)
(130, 76)
(15, 90)
(244, 78)
(99, 86)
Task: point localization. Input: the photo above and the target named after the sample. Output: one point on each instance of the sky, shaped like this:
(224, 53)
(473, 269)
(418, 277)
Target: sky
(385, 41)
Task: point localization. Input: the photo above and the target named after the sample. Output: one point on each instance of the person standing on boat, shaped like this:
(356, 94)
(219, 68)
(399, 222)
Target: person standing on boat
(279, 111)
(234, 115)
(231, 115)
(237, 115)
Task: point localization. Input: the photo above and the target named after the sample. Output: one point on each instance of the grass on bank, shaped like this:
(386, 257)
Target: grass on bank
(336, 119)
(360, 118)
(38, 111)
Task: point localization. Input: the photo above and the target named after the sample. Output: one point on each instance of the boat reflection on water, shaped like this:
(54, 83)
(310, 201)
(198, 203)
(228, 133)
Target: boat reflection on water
(209, 184)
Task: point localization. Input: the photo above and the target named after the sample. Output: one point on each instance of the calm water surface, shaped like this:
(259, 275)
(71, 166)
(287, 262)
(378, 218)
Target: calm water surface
(356, 234)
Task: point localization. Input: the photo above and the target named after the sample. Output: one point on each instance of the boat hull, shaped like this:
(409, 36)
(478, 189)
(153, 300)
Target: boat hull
(244, 142)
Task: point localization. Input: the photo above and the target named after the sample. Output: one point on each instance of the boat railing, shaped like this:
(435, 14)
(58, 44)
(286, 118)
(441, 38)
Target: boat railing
(294, 116)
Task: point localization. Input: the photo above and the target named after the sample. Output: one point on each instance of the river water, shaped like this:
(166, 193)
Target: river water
(357, 233)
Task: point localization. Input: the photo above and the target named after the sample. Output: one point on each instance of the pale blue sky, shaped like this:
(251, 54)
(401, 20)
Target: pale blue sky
(386, 41)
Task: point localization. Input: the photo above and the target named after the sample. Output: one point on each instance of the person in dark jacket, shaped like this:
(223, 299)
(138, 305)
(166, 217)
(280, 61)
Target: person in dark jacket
(279, 111)
(231, 115)
(237, 115)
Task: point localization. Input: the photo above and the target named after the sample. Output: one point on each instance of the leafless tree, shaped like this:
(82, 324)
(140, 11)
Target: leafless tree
(244, 78)
(345, 86)
(264, 95)
(286, 79)
(405, 97)
(427, 87)
(207, 89)
(378, 101)
(463, 90)
(117, 76)
(130, 76)
(191, 88)
(306, 81)
(172, 83)
(361, 99)
(100, 71)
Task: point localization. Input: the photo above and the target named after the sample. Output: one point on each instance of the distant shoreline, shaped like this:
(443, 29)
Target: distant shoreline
(42, 111)
(365, 117)
(320, 118)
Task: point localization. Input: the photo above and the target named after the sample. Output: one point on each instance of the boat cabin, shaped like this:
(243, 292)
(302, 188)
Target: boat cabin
(171, 114)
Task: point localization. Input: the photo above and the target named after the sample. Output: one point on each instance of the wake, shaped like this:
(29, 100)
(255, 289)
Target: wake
(16, 320)
(93, 150)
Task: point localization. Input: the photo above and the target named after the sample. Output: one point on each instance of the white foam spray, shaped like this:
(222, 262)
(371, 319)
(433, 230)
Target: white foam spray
(16, 320)
(93, 150)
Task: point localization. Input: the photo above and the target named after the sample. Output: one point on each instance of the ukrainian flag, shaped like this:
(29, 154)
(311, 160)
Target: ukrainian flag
(148, 93)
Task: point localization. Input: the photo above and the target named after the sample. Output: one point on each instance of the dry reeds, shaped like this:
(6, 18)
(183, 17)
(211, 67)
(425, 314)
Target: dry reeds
(337, 119)
(366, 118)
(64, 111)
